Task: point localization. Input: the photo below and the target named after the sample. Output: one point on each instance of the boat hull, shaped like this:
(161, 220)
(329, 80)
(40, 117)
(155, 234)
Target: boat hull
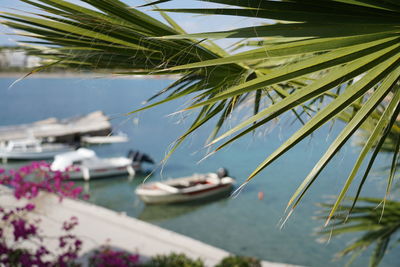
(177, 198)
(154, 193)
(32, 155)
(84, 164)
(98, 173)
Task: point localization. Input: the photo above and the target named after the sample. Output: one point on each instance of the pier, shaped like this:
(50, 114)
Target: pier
(65, 130)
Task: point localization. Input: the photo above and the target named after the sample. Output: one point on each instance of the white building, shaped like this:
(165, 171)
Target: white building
(11, 58)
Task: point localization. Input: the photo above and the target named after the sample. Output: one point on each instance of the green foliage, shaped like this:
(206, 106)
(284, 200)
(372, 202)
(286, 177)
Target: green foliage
(239, 261)
(173, 260)
(321, 60)
(181, 260)
(376, 230)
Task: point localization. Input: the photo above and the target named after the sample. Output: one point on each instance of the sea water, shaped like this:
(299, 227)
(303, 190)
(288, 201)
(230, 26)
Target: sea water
(245, 224)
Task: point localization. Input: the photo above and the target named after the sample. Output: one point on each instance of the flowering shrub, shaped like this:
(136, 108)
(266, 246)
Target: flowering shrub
(27, 245)
(108, 257)
(22, 242)
(28, 180)
(26, 233)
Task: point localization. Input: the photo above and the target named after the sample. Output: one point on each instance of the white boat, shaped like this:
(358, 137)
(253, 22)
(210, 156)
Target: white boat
(197, 186)
(91, 140)
(31, 149)
(84, 164)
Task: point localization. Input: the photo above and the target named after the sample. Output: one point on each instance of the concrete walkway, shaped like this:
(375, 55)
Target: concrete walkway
(98, 224)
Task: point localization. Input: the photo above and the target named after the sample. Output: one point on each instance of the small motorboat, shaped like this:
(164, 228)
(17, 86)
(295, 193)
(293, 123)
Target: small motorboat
(197, 186)
(84, 164)
(31, 149)
(94, 140)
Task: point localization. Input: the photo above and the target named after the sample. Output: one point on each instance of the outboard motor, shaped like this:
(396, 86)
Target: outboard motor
(131, 154)
(147, 158)
(222, 172)
(137, 156)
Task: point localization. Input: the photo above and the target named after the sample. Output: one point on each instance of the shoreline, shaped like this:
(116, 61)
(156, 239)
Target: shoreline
(123, 232)
(88, 75)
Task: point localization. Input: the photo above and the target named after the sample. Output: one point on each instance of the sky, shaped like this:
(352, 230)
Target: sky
(191, 23)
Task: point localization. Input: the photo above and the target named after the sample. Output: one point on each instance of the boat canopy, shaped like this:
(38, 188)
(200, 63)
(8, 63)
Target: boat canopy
(23, 143)
(63, 161)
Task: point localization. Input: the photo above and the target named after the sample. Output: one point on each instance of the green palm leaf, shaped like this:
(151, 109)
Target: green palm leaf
(312, 55)
(366, 219)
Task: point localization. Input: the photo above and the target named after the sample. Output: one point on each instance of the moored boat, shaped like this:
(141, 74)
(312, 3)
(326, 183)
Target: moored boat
(197, 186)
(84, 164)
(31, 149)
(109, 139)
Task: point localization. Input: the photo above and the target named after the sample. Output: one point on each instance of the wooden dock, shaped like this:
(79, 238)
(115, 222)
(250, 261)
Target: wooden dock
(65, 130)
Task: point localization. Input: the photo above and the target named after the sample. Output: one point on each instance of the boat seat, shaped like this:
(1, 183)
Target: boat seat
(167, 188)
(213, 180)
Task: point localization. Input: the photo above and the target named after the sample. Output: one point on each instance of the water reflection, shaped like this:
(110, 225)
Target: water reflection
(109, 192)
(157, 213)
(114, 192)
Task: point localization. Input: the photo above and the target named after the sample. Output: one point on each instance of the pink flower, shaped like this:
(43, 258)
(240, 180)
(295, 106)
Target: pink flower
(22, 230)
(53, 182)
(27, 182)
(107, 256)
(69, 225)
(30, 207)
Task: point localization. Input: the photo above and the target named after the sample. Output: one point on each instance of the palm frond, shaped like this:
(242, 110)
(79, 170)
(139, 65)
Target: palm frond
(366, 220)
(345, 54)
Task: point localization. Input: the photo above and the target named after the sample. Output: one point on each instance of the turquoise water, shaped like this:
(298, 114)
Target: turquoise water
(242, 225)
